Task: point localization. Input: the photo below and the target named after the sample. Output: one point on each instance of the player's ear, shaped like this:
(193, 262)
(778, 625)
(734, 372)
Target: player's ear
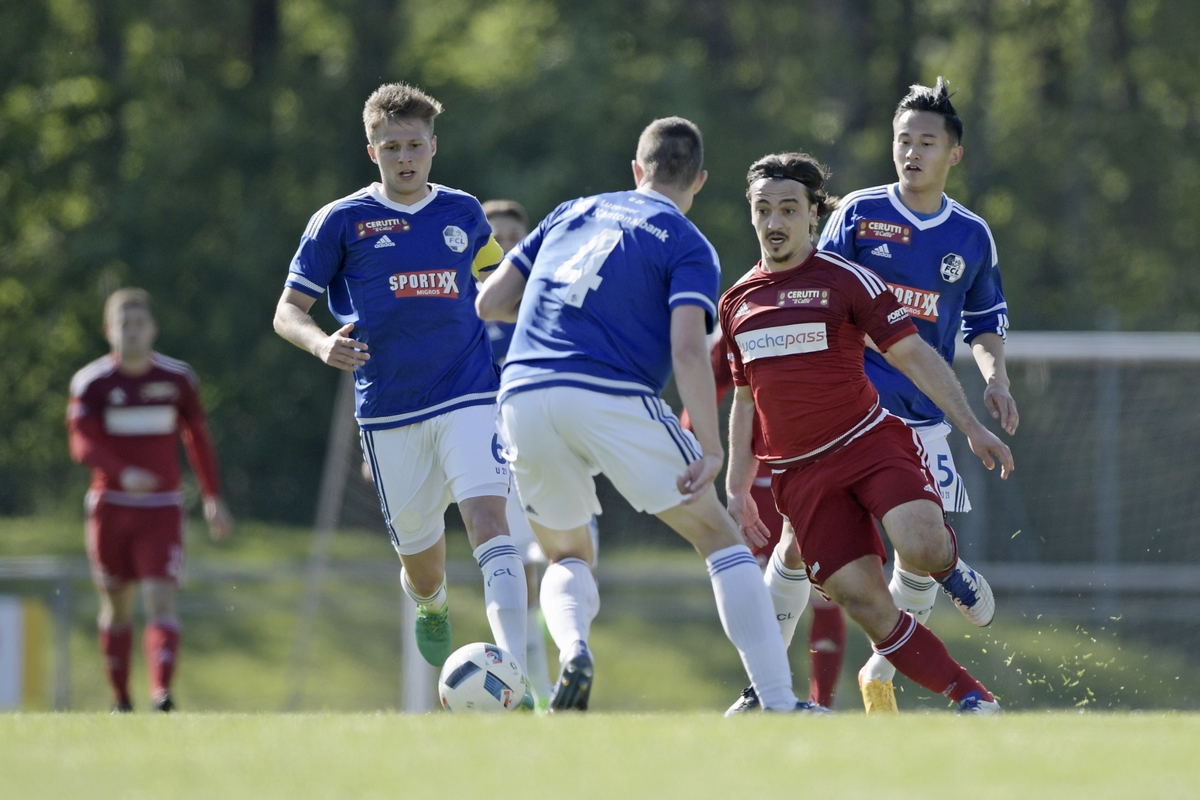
(638, 172)
(698, 184)
(433, 145)
(956, 155)
(371, 153)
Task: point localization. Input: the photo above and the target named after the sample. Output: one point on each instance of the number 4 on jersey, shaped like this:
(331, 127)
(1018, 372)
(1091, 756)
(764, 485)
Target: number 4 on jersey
(581, 271)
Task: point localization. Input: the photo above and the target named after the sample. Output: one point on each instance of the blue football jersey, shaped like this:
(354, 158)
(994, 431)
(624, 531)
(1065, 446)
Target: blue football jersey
(403, 276)
(501, 334)
(604, 274)
(943, 269)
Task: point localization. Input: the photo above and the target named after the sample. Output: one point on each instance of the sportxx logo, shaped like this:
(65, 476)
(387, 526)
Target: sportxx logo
(430, 283)
(377, 226)
(918, 302)
(884, 231)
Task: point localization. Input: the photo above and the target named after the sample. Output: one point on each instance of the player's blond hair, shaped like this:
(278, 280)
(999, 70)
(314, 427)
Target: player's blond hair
(397, 101)
(671, 151)
(129, 297)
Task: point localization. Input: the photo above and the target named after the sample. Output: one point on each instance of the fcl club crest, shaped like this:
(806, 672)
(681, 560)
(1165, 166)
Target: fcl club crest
(456, 238)
(953, 267)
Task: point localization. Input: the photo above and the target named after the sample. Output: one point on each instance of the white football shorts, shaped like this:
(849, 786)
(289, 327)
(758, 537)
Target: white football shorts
(941, 464)
(523, 537)
(559, 437)
(420, 469)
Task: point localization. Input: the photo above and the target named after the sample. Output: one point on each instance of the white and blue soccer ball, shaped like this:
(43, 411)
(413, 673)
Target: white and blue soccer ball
(481, 677)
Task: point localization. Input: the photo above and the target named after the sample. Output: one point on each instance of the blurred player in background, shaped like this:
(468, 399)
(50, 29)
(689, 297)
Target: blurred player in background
(127, 410)
(797, 324)
(399, 259)
(790, 594)
(940, 261)
(510, 224)
(610, 293)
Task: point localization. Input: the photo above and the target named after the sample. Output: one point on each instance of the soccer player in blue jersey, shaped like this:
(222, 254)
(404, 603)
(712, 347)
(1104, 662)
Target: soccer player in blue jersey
(399, 260)
(939, 259)
(609, 294)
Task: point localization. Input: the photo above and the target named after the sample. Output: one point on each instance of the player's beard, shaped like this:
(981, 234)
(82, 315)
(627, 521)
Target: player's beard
(783, 256)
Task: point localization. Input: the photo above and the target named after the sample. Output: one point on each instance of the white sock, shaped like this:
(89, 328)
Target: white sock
(504, 593)
(535, 651)
(914, 594)
(570, 601)
(435, 602)
(746, 615)
(789, 590)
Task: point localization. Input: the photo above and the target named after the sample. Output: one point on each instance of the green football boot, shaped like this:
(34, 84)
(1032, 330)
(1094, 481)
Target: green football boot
(433, 634)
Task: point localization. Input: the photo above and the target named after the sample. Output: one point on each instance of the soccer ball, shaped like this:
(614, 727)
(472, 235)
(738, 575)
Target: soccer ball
(481, 677)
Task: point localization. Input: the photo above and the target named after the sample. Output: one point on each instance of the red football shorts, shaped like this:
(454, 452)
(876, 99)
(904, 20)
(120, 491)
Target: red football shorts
(127, 543)
(833, 503)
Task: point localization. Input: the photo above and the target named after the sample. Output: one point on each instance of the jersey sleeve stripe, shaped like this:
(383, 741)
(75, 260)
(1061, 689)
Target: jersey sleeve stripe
(522, 262)
(691, 298)
(868, 279)
(92, 372)
(303, 283)
(992, 310)
(983, 223)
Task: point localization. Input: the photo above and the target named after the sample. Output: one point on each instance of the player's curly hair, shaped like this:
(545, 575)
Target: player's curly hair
(671, 151)
(799, 167)
(394, 101)
(936, 100)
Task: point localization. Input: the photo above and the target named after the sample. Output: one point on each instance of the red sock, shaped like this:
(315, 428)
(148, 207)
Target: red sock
(116, 644)
(918, 654)
(827, 643)
(161, 642)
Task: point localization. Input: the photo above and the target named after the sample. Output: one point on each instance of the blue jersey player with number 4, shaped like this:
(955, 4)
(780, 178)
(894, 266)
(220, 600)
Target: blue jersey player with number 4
(610, 293)
(399, 260)
(939, 259)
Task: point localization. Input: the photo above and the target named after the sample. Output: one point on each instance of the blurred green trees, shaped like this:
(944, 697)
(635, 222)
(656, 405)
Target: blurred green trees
(182, 146)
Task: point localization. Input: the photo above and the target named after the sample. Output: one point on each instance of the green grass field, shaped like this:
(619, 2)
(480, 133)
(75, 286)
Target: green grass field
(699, 755)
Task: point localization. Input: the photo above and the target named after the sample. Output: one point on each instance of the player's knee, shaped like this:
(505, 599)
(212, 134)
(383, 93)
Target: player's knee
(931, 552)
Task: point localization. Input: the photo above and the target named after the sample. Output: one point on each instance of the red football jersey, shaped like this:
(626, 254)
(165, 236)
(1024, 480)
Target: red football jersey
(118, 421)
(796, 338)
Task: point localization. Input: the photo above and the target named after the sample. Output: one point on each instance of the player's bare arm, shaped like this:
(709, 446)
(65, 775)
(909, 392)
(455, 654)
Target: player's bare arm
(933, 376)
(500, 296)
(336, 349)
(220, 521)
(988, 349)
(698, 391)
(739, 479)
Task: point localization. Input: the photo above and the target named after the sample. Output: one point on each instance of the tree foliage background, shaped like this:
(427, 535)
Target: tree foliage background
(182, 146)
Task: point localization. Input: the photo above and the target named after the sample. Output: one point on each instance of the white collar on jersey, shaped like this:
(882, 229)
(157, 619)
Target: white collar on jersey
(656, 196)
(918, 223)
(376, 192)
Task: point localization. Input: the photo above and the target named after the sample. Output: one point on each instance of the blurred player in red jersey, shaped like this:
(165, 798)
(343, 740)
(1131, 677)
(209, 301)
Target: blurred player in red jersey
(797, 324)
(125, 412)
(827, 634)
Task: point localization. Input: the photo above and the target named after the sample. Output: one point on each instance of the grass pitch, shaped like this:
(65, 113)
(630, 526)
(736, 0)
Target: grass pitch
(1058, 754)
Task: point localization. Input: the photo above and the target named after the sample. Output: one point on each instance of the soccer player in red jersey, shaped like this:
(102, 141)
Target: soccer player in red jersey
(797, 326)
(125, 412)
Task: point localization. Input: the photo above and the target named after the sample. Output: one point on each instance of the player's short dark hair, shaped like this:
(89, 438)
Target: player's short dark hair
(936, 100)
(671, 151)
(396, 101)
(799, 167)
(126, 298)
(506, 208)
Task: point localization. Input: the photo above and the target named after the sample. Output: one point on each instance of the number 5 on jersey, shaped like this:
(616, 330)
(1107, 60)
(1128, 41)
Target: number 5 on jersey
(581, 271)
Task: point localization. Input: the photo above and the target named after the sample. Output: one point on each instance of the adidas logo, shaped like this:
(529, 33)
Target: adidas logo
(743, 309)
(384, 241)
(881, 251)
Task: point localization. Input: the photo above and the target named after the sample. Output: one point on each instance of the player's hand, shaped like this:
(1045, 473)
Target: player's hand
(699, 476)
(220, 522)
(136, 479)
(990, 449)
(744, 511)
(340, 351)
(1001, 406)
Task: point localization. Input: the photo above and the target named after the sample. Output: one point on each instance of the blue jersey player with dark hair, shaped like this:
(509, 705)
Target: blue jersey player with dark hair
(939, 259)
(610, 294)
(399, 260)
